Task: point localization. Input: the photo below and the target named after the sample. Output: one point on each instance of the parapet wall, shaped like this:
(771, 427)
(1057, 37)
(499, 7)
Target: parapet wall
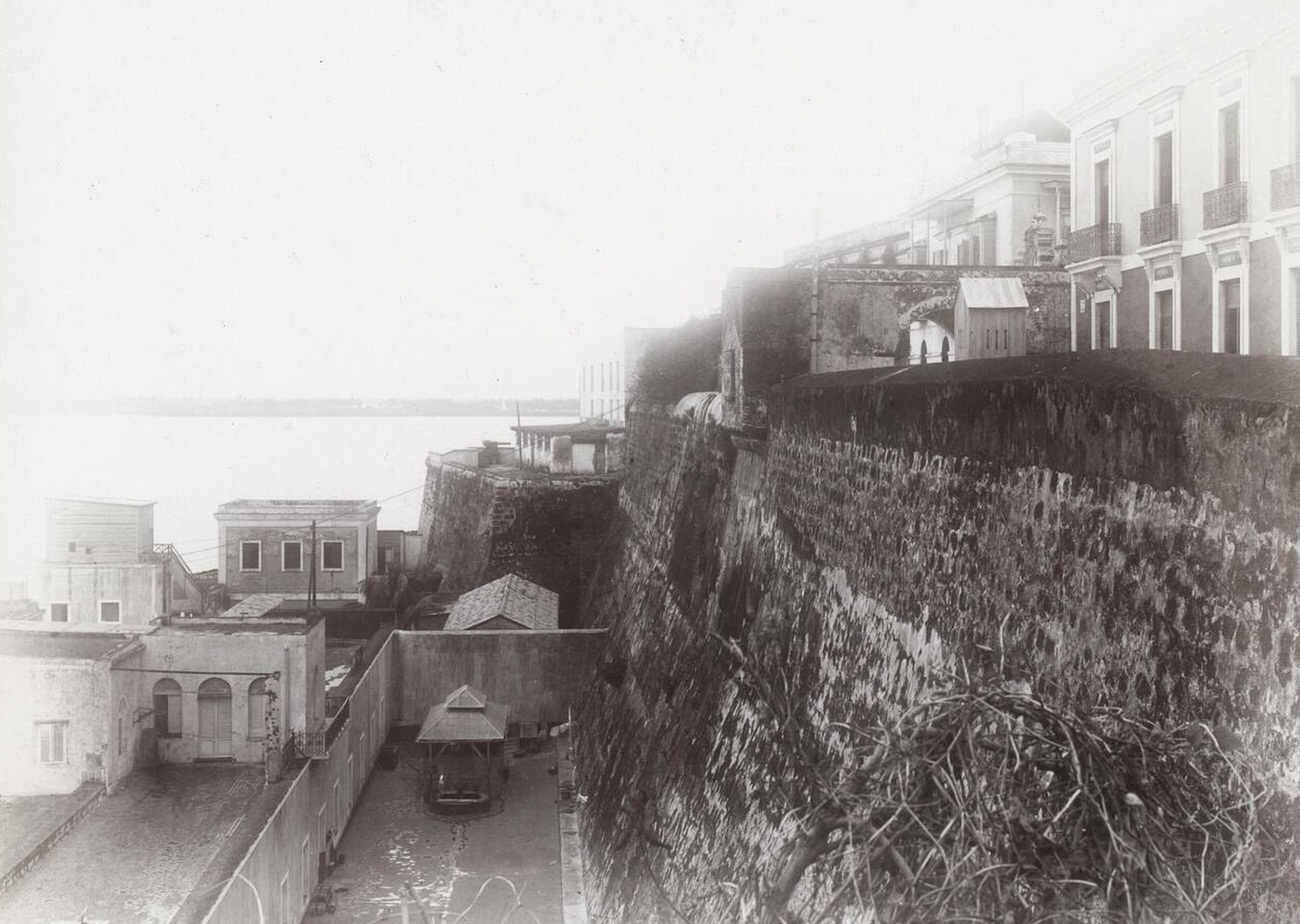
(1121, 529)
(539, 674)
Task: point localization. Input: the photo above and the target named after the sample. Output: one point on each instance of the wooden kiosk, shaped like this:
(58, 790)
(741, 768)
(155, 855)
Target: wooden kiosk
(464, 754)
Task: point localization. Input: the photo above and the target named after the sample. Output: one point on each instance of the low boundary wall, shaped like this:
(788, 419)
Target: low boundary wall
(275, 879)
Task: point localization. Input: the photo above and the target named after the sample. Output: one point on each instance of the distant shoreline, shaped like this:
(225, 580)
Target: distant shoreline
(162, 407)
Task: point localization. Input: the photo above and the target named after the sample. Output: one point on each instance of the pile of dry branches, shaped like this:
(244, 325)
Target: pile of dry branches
(988, 803)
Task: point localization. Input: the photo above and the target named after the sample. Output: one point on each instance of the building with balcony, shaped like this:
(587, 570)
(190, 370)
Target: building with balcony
(1186, 202)
(292, 548)
(103, 569)
(1009, 205)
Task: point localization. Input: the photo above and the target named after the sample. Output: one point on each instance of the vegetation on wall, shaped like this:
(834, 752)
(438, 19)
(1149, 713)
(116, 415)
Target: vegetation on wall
(682, 361)
(989, 801)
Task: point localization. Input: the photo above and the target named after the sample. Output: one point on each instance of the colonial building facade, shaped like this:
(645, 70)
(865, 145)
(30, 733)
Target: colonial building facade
(1186, 188)
(1009, 205)
(266, 547)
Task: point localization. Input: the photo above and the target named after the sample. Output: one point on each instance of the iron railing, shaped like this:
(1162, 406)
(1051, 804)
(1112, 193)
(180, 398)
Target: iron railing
(316, 745)
(1160, 225)
(1096, 241)
(1286, 187)
(1227, 205)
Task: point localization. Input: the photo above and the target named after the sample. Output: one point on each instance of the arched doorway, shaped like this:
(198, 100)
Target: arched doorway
(214, 718)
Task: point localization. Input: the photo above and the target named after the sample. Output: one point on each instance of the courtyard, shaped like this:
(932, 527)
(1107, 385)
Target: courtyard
(491, 868)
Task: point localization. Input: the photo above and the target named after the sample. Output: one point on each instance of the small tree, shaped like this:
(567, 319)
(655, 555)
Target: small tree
(683, 361)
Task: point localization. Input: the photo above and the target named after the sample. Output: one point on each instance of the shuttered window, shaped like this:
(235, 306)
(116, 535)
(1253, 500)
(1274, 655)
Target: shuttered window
(52, 742)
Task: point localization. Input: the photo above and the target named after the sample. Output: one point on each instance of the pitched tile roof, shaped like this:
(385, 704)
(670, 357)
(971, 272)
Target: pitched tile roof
(465, 715)
(529, 605)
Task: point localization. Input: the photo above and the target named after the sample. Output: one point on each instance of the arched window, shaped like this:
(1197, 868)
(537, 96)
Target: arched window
(257, 709)
(943, 351)
(214, 718)
(167, 708)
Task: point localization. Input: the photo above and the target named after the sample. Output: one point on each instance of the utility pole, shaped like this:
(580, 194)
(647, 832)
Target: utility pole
(311, 578)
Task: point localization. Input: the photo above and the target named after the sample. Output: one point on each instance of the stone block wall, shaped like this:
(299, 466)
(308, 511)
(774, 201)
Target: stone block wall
(1119, 529)
(480, 525)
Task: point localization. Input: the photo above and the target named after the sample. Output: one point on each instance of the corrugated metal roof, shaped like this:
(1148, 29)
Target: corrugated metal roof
(465, 715)
(993, 292)
(511, 597)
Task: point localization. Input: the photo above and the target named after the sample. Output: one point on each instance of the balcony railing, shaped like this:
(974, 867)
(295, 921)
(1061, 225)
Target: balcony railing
(316, 745)
(1286, 188)
(1093, 242)
(1227, 205)
(1160, 225)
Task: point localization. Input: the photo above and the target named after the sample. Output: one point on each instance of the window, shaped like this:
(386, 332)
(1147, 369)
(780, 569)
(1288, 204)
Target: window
(1164, 169)
(291, 556)
(1101, 191)
(167, 708)
(1165, 319)
(1230, 144)
(52, 742)
(110, 611)
(257, 709)
(58, 612)
(1230, 299)
(250, 556)
(331, 555)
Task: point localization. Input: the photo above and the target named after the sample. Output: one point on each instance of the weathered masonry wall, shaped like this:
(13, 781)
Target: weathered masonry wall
(479, 525)
(538, 674)
(1124, 528)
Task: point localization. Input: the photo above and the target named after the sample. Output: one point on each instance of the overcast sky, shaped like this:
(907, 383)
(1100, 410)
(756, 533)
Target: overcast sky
(402, 199)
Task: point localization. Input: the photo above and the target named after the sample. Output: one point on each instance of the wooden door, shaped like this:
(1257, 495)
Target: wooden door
(214, 719)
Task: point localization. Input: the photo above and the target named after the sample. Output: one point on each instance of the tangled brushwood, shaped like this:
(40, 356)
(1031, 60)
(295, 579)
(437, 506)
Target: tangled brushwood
(986, 802)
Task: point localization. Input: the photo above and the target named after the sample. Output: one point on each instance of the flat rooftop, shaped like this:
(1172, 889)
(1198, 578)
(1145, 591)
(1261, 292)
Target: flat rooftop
(304, 509)
(77, 646)
(152, 851)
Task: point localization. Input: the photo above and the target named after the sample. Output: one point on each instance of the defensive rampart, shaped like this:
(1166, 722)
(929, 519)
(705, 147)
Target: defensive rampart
(1114, 528)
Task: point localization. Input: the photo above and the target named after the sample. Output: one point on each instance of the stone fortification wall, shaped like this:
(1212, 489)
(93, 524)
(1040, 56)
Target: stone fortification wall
(479, 525)
(1117, 529)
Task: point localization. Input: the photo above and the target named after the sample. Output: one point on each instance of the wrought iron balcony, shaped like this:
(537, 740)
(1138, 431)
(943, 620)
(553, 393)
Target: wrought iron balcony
(1286, 188)
(1227, 205)
(315, 745)
(1160, 225)
(1096, 241)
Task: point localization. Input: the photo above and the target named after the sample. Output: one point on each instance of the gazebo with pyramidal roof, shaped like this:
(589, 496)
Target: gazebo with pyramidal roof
(464, 754)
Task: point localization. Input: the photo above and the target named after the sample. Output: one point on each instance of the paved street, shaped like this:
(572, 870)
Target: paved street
(139, 853)
(394, 848)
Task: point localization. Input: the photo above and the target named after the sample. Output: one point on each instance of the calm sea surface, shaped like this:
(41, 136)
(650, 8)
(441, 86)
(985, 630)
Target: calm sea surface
(189, 465)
